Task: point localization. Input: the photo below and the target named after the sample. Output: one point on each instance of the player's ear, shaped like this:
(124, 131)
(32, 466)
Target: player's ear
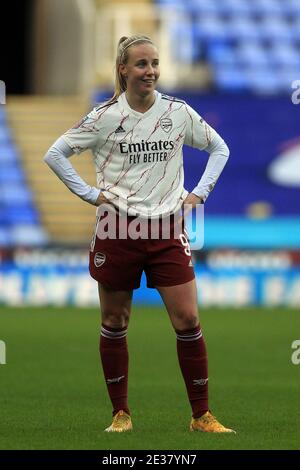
(123, 70)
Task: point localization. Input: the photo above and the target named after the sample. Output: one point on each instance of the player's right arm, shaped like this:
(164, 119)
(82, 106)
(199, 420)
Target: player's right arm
(82, 136)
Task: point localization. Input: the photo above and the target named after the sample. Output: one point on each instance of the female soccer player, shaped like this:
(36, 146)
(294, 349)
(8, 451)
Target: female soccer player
(136, 138)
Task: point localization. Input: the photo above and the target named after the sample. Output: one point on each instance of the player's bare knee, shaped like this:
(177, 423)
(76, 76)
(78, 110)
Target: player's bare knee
(115, 317)
(186, 320)
(191, 321)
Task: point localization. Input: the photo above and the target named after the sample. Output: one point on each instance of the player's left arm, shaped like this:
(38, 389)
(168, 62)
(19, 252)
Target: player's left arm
(202, 136)
(218, 157)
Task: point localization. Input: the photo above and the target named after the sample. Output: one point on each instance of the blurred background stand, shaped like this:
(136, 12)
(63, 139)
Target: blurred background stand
(234, 61)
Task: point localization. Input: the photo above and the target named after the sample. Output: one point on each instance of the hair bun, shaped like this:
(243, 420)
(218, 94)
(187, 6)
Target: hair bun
(123, 38)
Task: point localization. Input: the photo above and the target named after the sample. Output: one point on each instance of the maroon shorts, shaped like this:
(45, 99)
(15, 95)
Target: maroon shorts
(118, 263)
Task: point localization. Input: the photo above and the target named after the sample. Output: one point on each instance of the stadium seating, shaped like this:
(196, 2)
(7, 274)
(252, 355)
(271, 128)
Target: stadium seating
(19, 219)
(239, 37)
(36, 122)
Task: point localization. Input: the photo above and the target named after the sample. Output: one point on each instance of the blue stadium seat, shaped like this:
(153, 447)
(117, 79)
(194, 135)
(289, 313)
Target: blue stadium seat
(11, 174)
(230, 79)
(8, 154)
(292, 7)
(172, 6)
(285, 55)
(27, 235)
(168, 2)
(252, 54)
(5, 239)
(275, 29)
(263, 80)
(295, 30)
(244, 29)
(203, 8)
(5, 135)
(221, 54)
(21, 214)
(14, 194)
(184, 47)
(267, 7)
(3, 216)
(235, 7)
(211, 27)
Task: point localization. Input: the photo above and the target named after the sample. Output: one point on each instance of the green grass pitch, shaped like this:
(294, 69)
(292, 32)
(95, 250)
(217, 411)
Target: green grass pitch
(53, 394)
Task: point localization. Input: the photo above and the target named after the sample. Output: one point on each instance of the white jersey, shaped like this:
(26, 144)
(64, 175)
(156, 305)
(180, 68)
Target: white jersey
(138, 156)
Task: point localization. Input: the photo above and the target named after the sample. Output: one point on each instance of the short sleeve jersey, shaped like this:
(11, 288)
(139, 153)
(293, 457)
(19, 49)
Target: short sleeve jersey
(138, 156)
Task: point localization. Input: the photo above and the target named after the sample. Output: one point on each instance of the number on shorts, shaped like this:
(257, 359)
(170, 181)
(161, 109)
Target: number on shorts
(185, 244)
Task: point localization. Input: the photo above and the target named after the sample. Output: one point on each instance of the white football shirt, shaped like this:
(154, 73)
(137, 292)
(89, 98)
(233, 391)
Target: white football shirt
(138, 156)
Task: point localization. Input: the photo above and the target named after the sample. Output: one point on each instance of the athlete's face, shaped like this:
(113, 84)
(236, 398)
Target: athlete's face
(142, 69)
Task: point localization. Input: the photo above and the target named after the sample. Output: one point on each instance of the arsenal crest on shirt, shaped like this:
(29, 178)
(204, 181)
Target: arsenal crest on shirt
(166, 124)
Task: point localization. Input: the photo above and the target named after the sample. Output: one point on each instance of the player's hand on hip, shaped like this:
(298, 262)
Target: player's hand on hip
(101, 199)
(190, 202)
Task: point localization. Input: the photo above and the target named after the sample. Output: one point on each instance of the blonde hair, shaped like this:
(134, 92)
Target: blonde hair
(122, 58)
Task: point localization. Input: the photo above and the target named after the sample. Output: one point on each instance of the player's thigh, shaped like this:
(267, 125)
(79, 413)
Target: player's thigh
(115, 306)
(117, 264)
(181, 304)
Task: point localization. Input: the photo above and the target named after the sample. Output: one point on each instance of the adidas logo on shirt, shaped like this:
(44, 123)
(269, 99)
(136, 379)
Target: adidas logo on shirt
(119, 130)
